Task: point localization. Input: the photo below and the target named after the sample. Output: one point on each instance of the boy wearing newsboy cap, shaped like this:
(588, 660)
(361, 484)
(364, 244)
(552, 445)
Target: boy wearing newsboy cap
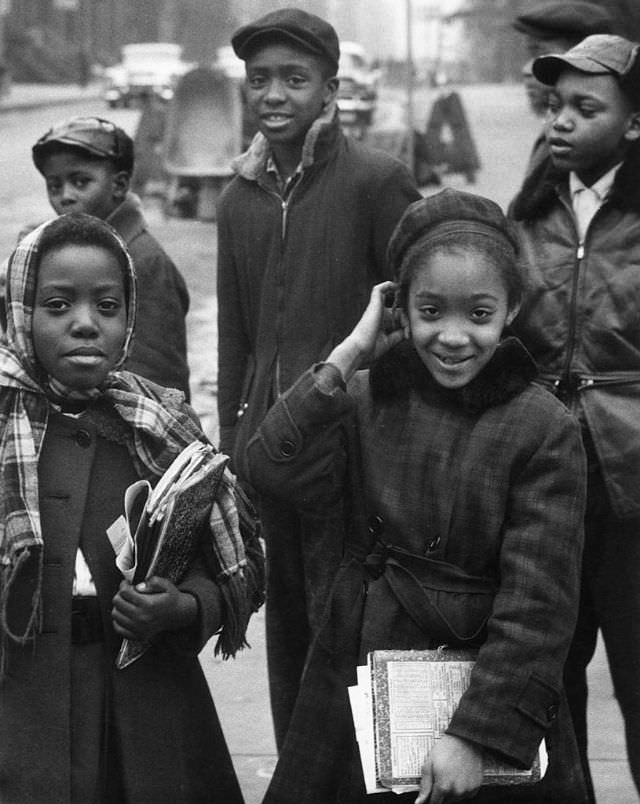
(87, 164)
(578, 216)
(554, 28)
(302, 234)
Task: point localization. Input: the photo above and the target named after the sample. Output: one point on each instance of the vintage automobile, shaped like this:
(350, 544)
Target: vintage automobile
(146, 68)
(358, 92)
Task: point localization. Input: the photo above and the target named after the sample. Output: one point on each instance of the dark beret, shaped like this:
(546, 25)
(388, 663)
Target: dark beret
(576, 19)
(448, 212)
(304, 30)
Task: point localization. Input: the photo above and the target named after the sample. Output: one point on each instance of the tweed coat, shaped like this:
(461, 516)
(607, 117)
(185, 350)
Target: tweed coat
(580, 319)
(487, 483)
(164, 741)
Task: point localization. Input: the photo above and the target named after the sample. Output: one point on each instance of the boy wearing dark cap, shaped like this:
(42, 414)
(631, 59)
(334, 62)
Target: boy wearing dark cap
(554, 28)
(578, 216)
(303, 230)
(87, 164)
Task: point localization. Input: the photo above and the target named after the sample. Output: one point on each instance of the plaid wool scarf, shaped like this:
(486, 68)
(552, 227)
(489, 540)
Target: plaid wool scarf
(159, 433)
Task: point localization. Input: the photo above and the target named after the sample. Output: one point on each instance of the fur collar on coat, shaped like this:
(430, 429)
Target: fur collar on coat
(401, 370)
(252, 163)
(540, 188)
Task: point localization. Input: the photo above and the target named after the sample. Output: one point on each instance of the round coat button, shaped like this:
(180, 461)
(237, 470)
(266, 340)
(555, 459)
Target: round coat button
(287, 448)
(83, 438)
(552, 712)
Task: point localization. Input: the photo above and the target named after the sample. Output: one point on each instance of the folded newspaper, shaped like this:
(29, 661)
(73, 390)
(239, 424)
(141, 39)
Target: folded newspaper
(159, 532)
(402, 704)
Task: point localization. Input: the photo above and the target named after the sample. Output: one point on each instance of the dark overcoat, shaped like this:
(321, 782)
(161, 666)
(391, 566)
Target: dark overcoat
(163, 740)
(484, 486)
(294, 274)
(159, 350)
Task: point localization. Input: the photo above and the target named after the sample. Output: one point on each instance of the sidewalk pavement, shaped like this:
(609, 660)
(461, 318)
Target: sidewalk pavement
(33, 96)
(240, 691)
(239, 687)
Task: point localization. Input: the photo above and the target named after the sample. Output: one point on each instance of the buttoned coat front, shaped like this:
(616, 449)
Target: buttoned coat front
(158, 712)
(490, 481)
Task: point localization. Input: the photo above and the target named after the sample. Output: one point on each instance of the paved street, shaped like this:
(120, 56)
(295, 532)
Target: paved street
(503, 130)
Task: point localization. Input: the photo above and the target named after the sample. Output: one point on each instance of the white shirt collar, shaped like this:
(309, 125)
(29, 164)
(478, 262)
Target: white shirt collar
(601, 188)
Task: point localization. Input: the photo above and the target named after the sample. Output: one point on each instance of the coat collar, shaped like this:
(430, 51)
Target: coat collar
(540, 189)
(319, 139)
(507, 374)
(127, 218)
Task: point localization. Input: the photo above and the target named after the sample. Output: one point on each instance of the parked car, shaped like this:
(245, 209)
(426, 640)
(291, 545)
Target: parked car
(358, 92)
(145, 68)
(227, 61)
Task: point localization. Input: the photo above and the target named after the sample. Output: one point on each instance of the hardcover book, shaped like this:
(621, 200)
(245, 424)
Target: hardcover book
(160, 530)
(402, 704)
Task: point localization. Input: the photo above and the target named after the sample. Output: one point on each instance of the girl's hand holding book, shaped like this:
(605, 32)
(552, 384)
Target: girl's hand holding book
(143, 611)
(451, 772)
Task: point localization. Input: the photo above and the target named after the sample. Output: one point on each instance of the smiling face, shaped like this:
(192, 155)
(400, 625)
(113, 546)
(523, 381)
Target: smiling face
(79, 316)
(457, 308)
(286, 91)
(590, 124)
(76, 183)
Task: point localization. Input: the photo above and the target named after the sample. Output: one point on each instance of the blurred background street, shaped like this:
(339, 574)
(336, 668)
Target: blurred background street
(503, 129)
(461, 46)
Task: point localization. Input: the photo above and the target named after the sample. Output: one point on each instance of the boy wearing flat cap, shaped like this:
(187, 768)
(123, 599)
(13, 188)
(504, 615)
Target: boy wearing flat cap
(578, 216)
(303, 230)
(554, 28)
(87, 164)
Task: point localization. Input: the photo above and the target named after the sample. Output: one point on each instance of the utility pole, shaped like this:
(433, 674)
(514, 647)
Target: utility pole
(410, 90)
(5, 8)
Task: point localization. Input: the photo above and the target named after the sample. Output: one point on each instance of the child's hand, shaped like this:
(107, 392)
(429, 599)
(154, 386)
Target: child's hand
(451, 772)
(372, 336)
(141, 612)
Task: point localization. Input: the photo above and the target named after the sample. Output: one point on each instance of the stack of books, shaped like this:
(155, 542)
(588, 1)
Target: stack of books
(402, 703)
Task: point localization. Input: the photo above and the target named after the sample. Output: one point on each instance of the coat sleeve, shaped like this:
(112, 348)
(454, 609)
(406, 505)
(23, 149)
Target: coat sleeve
(234, 348)
(298, 453)
(205, 590)
(159, 350)
(515, 685)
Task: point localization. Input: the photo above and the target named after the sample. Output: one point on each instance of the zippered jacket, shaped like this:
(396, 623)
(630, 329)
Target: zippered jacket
(581, 317)
(294, 276)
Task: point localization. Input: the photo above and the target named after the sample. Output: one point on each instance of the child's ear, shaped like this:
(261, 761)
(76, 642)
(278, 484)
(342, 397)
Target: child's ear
(330, 90)
(633, 127)
(404, 318)
(513, 312)
(120, 184)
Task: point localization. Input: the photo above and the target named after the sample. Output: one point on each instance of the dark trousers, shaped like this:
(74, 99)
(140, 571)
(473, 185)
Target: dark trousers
(610, 602)
(302, 556)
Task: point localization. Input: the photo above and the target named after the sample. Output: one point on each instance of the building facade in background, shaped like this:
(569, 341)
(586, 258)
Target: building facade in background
(461, 40)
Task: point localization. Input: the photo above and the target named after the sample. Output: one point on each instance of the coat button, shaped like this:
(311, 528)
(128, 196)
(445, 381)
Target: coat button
(83, 438)
(287, 448)
(552, 712)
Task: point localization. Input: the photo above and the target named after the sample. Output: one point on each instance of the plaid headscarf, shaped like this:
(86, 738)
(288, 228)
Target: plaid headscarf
(26, 394)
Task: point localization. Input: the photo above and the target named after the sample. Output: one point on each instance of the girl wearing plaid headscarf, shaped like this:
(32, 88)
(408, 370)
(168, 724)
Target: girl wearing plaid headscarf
(75, 432)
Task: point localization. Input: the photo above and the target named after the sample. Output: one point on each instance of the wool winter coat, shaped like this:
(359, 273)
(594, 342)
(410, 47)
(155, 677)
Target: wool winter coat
(159, 350)
(581, 316)
(469, 534)
(163, 740)
(295, 275)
